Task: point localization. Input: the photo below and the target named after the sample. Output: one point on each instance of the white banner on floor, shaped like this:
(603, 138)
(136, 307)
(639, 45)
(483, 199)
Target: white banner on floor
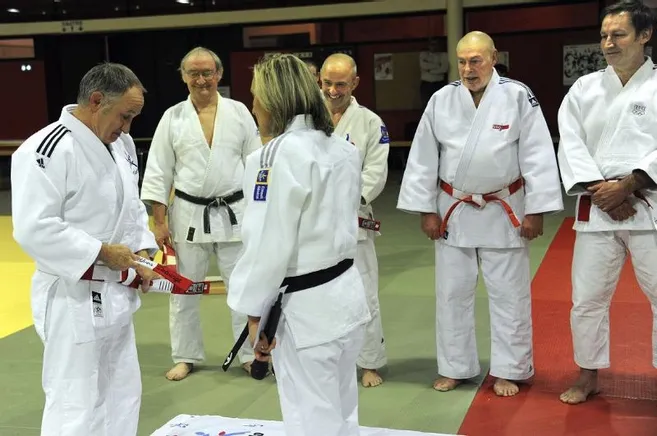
(194, 425)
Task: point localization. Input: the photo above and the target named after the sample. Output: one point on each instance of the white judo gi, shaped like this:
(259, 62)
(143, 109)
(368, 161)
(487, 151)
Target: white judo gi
(502, 147)
(180, 158)
(366, 131)
(301, 217)
(608, 130)
(69, 195)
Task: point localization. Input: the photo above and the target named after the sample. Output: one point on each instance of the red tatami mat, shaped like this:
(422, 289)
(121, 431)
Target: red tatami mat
(627, 404)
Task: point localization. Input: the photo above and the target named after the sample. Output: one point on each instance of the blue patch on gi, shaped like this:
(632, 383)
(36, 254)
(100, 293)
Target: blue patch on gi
(260, 193)
(385, 138)
(263, 177)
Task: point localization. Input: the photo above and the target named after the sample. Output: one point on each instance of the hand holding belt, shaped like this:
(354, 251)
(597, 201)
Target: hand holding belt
(209, 203)
(480, 200)
(585, 203)
(290, 285)
(172, 281)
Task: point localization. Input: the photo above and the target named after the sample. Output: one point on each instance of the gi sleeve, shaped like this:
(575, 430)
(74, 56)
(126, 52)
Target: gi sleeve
(38, 192)
(419, 188)
(269, 230)
(160, 164)
(375, 163)
(575, 161)
(538, 163)
(649, 165)
(145, 238)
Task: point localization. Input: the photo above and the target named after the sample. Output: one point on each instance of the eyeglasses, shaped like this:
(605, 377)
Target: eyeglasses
(196, 74)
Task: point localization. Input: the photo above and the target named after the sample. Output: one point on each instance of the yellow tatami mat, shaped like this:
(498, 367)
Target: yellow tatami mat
(16, 270)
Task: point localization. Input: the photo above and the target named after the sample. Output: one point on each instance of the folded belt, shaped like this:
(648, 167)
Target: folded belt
(210, 203)
(480, 200)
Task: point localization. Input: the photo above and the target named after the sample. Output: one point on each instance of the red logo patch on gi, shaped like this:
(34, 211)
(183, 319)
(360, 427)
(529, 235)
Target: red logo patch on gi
(500, 127)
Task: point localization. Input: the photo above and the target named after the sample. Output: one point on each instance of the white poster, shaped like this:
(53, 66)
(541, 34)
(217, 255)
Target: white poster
(503, 58)
(195, 425)
(383, 66)
(579, 60)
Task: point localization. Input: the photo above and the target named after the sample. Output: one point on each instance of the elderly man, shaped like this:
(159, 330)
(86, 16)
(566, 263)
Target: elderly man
(76, 212)
(198, 150)
(608, 158)
(481, 173)
(368, 133)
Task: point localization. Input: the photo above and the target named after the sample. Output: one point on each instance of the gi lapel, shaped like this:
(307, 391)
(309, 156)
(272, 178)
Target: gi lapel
(480, 116)
(99, 153)
(342, 129)
(223, 120)
(623, 94)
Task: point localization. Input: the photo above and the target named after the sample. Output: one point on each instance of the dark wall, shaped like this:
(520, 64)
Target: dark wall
(23, 95)
(533, 35)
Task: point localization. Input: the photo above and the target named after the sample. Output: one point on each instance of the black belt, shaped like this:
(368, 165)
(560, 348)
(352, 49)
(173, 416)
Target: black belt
(291, 284)
(209, 203)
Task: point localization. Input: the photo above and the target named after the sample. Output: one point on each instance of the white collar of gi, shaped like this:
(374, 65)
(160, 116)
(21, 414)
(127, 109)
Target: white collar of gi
(644, 71)
(77, 127)
(300, 122)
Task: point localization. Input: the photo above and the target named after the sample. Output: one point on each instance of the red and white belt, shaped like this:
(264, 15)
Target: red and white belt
(171, 282)
(369, 224)
(480, 200)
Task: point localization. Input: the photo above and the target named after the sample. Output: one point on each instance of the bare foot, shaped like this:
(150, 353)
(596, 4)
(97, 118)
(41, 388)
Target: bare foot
(179, 371)
(586, 385)
(371, 378)
(444, 384)
(505, 388)
(247, 367)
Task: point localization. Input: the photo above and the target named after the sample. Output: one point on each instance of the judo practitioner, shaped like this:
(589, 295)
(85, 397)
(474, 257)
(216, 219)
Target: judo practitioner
(481, 173)
(300, 233)
(198, 150)
(367, 132)
(76, 212)
(608, 159)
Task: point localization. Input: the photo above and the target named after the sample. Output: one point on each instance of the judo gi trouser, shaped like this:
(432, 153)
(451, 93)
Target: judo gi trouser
(92, 388)
(598, 259)
(506, 276)
(184, 310)
(373, 354)
(318, 386)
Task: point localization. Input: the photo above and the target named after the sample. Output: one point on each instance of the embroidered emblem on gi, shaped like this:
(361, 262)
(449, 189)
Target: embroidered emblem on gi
(638, 109)
(385, 138)
(133, 164)
(97, 304)
(500, 127)
(261, 185)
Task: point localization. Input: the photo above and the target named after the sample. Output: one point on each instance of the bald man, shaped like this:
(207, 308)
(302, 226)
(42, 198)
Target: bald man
(481, 173)
(368, 133)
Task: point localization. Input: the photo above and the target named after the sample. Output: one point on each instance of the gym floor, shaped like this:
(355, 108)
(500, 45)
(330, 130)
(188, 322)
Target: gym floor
(626, 406)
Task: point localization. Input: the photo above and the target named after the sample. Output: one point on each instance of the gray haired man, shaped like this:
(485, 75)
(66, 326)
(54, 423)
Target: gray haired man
(76, 212)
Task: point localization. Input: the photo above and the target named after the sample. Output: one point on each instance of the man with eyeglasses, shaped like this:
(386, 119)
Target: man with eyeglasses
(198, 151)
(368, 133)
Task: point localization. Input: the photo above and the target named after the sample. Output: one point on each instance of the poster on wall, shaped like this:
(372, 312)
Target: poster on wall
(579, 60)
(383, 66)
(503, 59)
(224, 91)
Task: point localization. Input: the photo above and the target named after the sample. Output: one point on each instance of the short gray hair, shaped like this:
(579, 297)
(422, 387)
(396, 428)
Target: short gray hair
(202, 50)
(110, 79)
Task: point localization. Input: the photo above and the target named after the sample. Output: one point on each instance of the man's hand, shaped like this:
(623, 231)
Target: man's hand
(532, 226)
(608, 195)
(622, 212)
(147, 276)
(162, 235)
(262, 347)
(430, 223)
(117, 257)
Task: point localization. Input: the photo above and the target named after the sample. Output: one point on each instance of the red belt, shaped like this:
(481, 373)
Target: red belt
(369, 224)
(171, 280)
(584, 205)
(479, 200)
